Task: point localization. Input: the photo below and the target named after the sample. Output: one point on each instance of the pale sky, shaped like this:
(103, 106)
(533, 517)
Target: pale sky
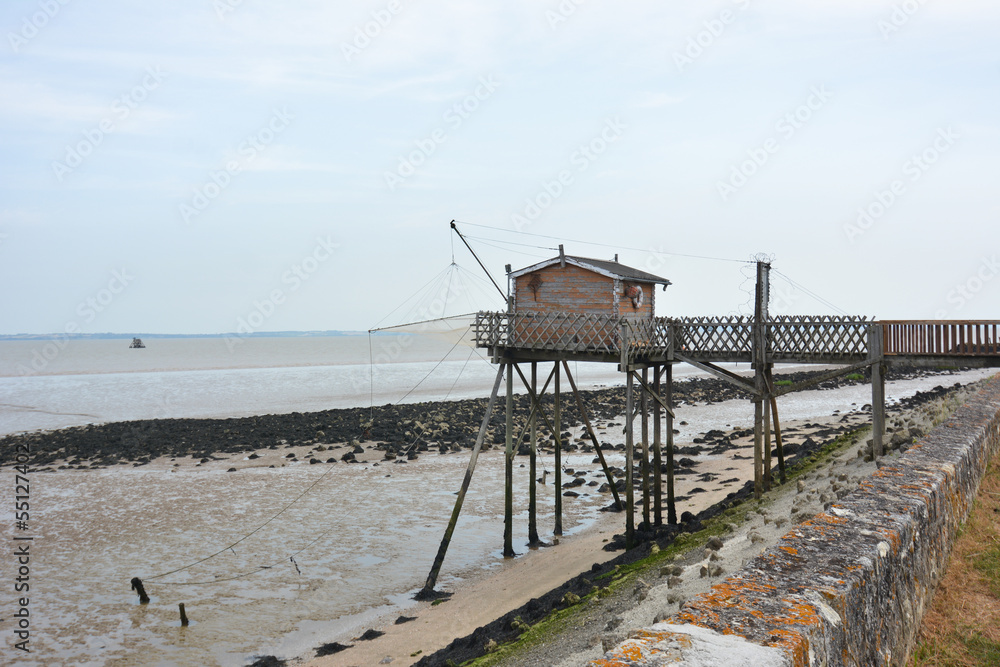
(175, 167)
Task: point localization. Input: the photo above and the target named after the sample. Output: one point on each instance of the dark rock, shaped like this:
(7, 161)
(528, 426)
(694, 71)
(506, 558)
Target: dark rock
(330, 649)
(267, 661)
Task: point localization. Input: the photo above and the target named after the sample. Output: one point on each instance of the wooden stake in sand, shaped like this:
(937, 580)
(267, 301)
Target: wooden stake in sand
(140, 589)
(184, 616)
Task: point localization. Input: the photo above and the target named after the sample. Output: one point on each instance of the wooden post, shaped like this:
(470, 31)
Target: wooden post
(760, 323)
(508, 506)
(671, 504)
(767, 443)
(878, 409)
(758, 462)
(140, 589)
(657, 452)
(184, 616)
(428, 589)
(875, 347)
(777, 427)
(629, 486)
(557, 426)
(644, 408)
(593, 438)
(532, 492)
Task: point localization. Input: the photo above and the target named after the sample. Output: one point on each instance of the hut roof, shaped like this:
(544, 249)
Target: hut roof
(601, 266)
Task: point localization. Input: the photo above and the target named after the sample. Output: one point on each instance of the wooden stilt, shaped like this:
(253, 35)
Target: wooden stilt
(532, 491)
(644, 408)
(759, 354)
(446, 540)
(767, 443)
(629, 485)
(875, 355)
(671, 503)
(758, 460)
(878, 409)
(184, 617)
(593, 438)
(777, 428)
(557, 418)
(657, 464)
(508, 506)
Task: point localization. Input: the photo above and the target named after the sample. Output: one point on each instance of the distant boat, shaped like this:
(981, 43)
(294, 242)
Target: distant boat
(136, 342)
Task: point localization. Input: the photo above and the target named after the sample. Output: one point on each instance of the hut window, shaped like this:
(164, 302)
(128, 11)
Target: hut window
(534, 284)
(634, 292)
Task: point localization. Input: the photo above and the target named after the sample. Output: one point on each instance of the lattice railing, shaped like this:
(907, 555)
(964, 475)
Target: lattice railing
(563, 332)
(716, 338)
(799, 337)
(647, 336)
(491, 329)
(713, 336)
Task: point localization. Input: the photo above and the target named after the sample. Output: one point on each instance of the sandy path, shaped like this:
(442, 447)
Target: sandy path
(517, 582)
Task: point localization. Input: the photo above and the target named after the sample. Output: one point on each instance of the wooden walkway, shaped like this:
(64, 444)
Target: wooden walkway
(820, 340)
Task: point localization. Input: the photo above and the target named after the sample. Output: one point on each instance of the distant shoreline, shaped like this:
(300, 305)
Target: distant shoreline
(153, 336)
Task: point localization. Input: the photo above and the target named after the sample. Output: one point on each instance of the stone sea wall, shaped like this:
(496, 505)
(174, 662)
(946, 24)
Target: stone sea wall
(850, 586)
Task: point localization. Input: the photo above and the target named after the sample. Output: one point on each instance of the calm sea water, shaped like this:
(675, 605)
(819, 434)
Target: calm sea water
(46, 385)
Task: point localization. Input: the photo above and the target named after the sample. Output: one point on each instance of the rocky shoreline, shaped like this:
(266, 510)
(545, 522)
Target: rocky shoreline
(396, 431)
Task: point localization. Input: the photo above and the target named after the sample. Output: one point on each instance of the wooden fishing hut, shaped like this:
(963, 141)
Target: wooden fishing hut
(563, 309)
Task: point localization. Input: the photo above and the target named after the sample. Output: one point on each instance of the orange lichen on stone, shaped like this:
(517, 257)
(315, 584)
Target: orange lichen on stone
(790, 550)
(800, 614)
(601, 662)
(657, 636)
(892, 536)
(826, 517)
(733, 593)
(631, 652)
(793, 644)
